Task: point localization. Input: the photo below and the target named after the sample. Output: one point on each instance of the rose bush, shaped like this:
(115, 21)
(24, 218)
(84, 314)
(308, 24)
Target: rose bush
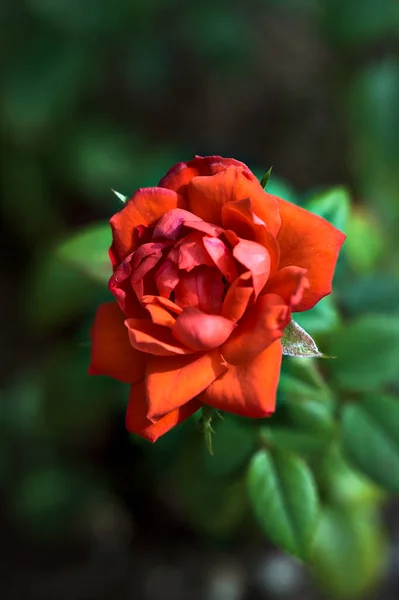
(208, 268)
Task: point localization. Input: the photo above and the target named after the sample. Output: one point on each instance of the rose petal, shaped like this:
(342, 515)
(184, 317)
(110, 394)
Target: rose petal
(121, 288)
(202, 287)
(136, 419)
(165, 302)
(310, 242)
(200, 331)
(166, 278)
(238, 297)
(181, 174)
(259, 327)
(145, 258)
(249, 389)
(240, 217)
(221, 256)
(160, 315)
(192, 252)
(171, 382)
(153, 339)
(145, 207)
(290, 283)
(255, 258)
(111, 352)
(169, 226)
(207, 196)
(208, 228)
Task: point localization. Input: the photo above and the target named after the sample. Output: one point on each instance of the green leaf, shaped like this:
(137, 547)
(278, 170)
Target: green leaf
(342, 486)
(366, 351)
(333, 205)
(279, 187)
(233, 444)
(55, 293)
(87, 251)
(120, 196)
(266, 177)
(296, 342)
(320, 319)
(349, 551)
(364, 257)
(284, 499)
(370, 438)
(310, 413)
(299, 441)
(376, 293)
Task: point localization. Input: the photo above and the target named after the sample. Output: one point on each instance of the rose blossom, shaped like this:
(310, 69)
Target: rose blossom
(208, 268)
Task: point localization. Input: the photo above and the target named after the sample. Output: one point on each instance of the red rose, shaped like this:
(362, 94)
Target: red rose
(207, 270)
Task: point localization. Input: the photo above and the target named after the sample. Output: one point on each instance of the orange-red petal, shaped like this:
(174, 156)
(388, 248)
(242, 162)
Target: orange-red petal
(290, 283)
(172, 382)
(180, 175)
(240, 217)
(308, 241)
(145, 207)
(111, 352)
(153, 339)
(202, 287)
(137, 421)
(238, 297)
(250, 389)
(207, 196)
(256, 259)
(201, 332)
(258, 328)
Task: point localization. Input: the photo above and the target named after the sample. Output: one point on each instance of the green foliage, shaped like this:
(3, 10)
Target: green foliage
(321, 319)
(349, 551)
(333, 205)
(87, 251)
(296, 342)
(364, 257)
(58, 293)
(367, 352)
(370, 438)
(100, 96)
(284, 499)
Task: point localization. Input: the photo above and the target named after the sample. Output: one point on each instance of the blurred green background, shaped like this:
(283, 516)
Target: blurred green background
(100, 94)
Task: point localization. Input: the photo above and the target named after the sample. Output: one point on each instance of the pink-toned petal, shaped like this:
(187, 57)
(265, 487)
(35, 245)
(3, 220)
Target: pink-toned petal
(238, 297)
(153, 339)
(256, 258)
(221, 256)
(199, 331)
(181, 174)
(136, 415)
(144, 208)
(111, 352)
(240, 217)
(169, 226)
(202, 287)
(192, 252)
(172, 382)
(260, 326)
(121, 288)
(207, 196)
(310, 242)
(248, 390)
(166, 278)
(290, 283)
(165, 302)
(208, 228)
(145, 258)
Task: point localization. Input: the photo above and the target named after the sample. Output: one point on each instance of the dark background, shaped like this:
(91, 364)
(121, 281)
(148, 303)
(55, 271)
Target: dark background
(97, 95)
